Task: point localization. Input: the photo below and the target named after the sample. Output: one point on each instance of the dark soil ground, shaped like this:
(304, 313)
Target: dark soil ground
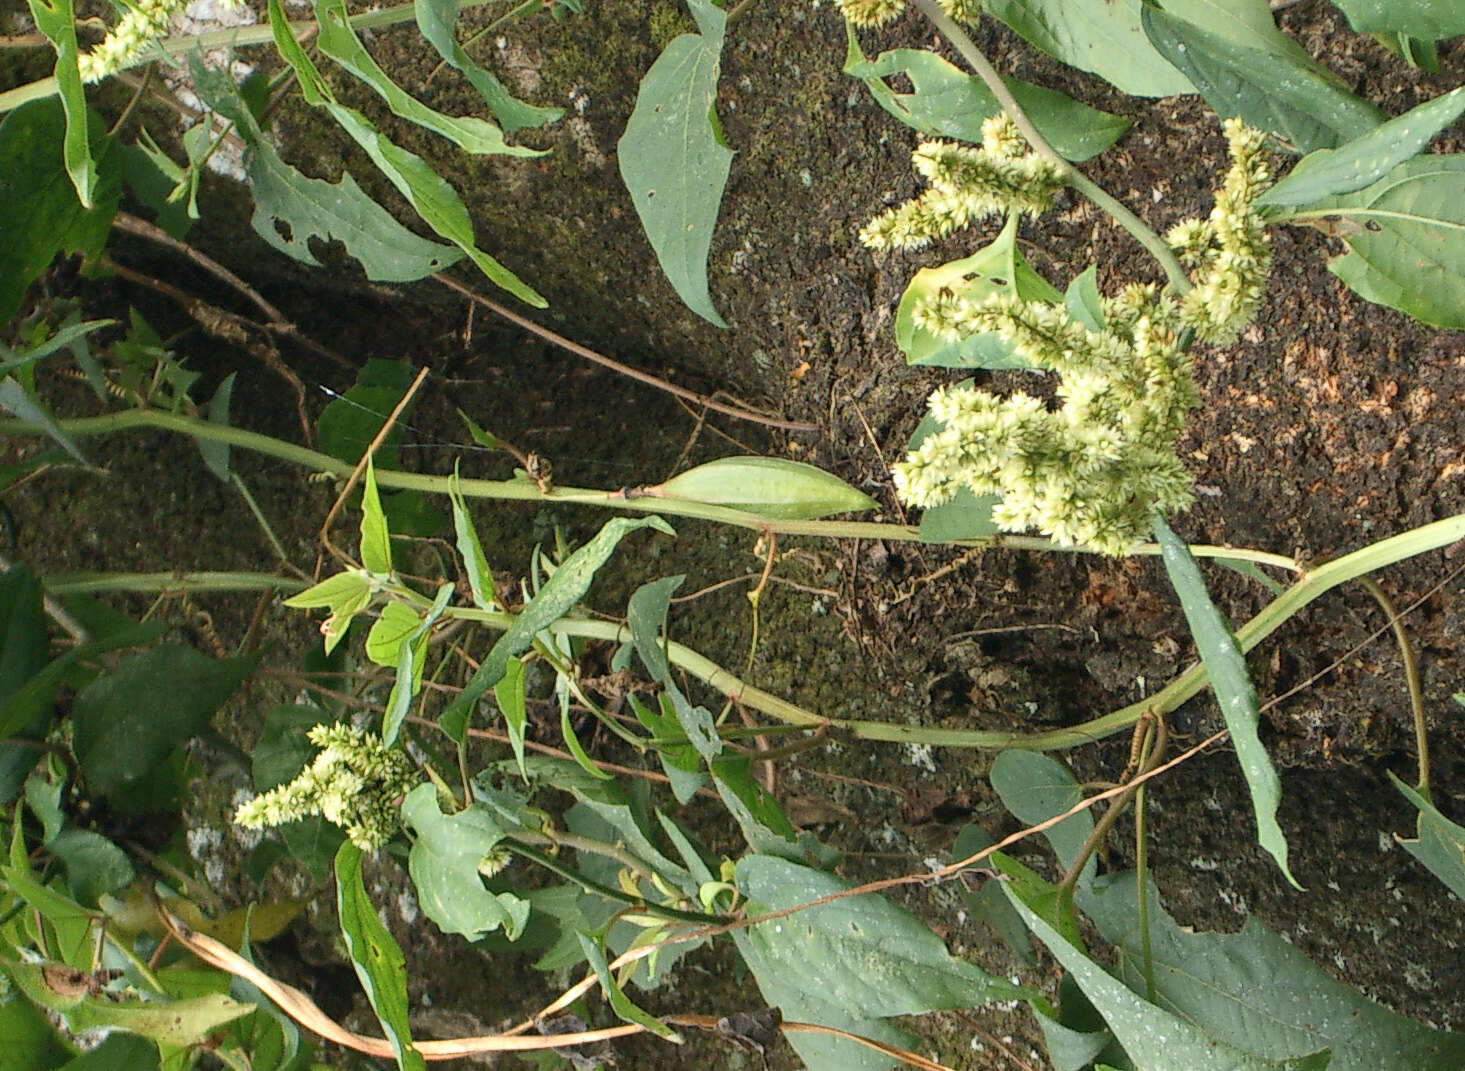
(1332, 423)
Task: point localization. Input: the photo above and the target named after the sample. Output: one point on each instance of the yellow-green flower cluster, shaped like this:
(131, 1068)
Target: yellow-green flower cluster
(1092, 470)
(1230, 247)
(144, 22)
(355, 782)
(874, 13)
(967, 184)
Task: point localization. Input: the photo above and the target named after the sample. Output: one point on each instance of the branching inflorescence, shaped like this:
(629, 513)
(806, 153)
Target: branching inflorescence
(144, 22)
(1094, 469)
(355, 782)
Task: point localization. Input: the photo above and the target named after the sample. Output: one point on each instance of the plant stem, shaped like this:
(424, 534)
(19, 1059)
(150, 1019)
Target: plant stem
(527, 491)
(1411, 678)
(1071, 175)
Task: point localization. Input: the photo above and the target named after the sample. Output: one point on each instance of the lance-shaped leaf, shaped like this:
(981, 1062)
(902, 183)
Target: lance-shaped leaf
(673, 158)
(1226, 667)
(1270, 90)
(429, 194)
(377, 957)
(475, 562)
(996, 269)
(1428, 20)
(58, 22)
(559, 593)
(948, 103)
(445, 862)
(1154, 1038)
(1406, 239)
(767, 486)
(435, 18)
(1255, 991)
(290, 209)
(1329, 172)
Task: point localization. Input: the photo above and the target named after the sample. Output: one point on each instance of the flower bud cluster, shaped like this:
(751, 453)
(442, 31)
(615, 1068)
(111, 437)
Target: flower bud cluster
(870, 14)
(1230, 247)
(355, 782)
(967, 184)
(144, 22)
(1096, 466)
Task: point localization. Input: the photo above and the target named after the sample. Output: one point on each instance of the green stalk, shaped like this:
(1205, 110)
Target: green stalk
(1115, 209)
(232, 36)
(527, 491)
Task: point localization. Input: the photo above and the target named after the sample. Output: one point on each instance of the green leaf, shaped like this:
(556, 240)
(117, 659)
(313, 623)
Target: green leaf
(948, 103)
(28, 1040)
(1083, 301)
(1439, 843)
(39, 211)
(17, 400)
(508, 694)
(1034, 788)
(282, 749)
(58, 22)
(475, 563)
(1255, 991)
(94, 865)
(291, 209)
(342, 590)
(378, 959)
(429, 194)
(988, 904)
(128, 721)
(851, 963)
(444, 866)
(410, 663)
(396, 626)
(1101, 36)
(118, 1052)
(673, 158)
(435, 19)
(1429, 20)
(625, 1009)
(768, 487)
(338, 41)
(23, 641)
(1405, 237)
(349, 425)
(1270, 90)
(1154, 1038)
(376, 540)
(1226, 667)
(1365, 160)
(998, 268)
(559, 593)
(215, 453)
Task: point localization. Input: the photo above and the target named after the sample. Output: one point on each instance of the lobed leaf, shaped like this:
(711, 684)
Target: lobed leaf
(673, 158)
(1226, 666)
(948, 103)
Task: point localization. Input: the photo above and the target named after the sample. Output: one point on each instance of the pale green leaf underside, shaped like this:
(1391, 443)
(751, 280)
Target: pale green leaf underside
(1406, 239)
(1226, 667)
(1428, 20)
(673, 160)
(1329, 172)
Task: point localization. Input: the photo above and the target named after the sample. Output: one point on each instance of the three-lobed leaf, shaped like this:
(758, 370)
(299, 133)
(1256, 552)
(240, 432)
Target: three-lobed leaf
(673, 158)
